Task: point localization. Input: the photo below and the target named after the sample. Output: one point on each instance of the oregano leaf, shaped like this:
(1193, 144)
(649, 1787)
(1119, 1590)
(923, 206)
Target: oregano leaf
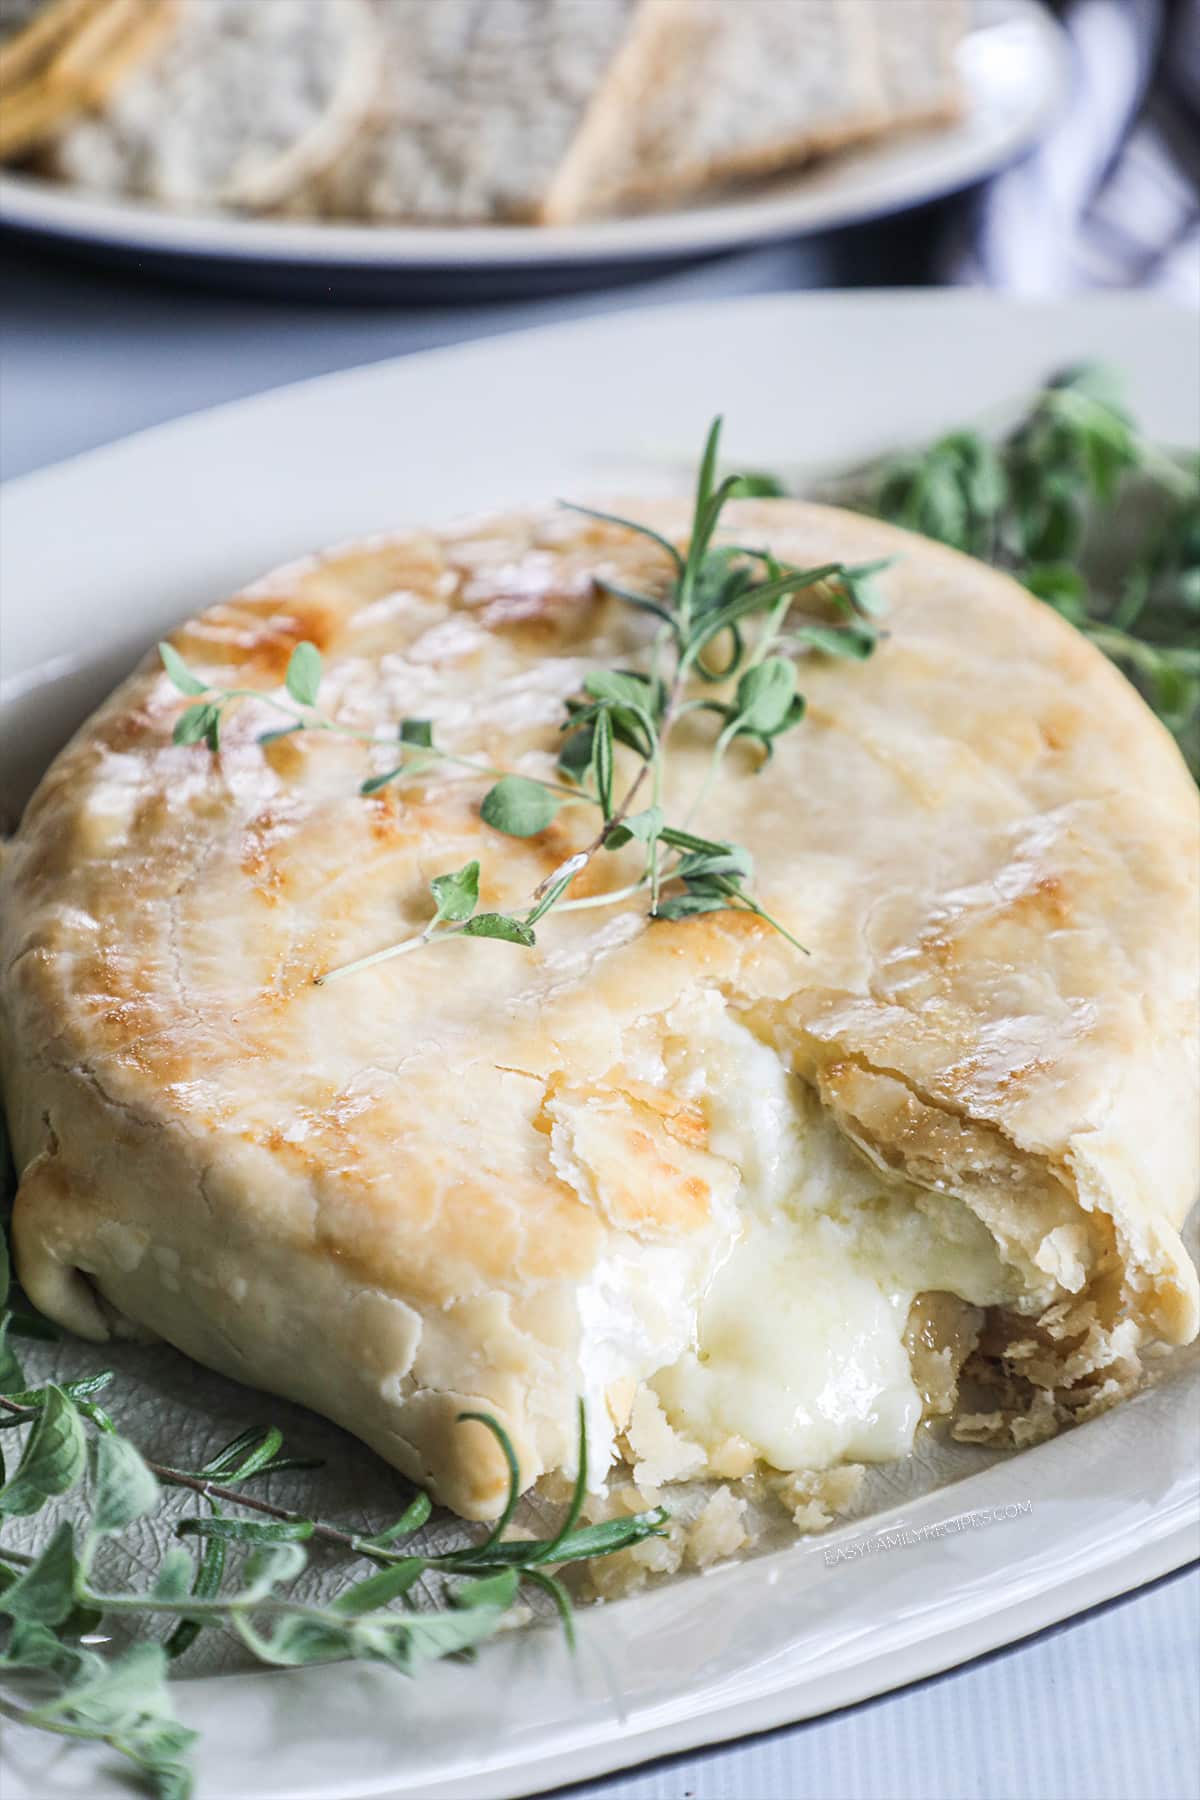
(643, 826)
(764, 696)
(12, 1378)
(179, 673)
(196, 722)
(499, 925)
(498, 1590)
(123, 1488)
(456, 895)
(45, 1593)
(519, 807)
(303, 678)
(176, 1573)
(687, 906)
(54, 1458)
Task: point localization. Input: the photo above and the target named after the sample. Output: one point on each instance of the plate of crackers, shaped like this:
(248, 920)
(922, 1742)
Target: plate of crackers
(461, 142)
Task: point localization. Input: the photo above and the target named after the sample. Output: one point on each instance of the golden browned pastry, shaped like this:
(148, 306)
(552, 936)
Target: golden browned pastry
(736, 1196)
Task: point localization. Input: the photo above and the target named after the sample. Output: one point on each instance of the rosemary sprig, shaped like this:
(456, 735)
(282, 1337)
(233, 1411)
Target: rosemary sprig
(1086, 511)
(705, 657)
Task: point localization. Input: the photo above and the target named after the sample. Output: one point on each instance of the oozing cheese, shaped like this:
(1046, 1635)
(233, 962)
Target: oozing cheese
(798, 1342)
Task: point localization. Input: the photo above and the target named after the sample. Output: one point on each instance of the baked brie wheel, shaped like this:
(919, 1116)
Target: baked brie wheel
(754, 1206)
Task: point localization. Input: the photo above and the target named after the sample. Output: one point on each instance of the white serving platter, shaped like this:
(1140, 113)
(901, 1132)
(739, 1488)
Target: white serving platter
(1016, 70)
(98, 554)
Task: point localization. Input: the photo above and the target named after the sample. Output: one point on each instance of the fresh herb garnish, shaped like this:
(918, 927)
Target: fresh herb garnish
(1082, 508)
(92, 1483)
(726, 645)
(75, 1460)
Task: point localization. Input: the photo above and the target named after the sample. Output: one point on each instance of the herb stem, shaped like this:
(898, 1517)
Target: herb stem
(609, 899)
(39, 1720)
(403, 948)
(210, 1490)
(653, 765)
(313, 720)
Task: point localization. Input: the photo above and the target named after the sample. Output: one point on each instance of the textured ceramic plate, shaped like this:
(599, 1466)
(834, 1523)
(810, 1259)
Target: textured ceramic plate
(98, 555)
(1015, 70)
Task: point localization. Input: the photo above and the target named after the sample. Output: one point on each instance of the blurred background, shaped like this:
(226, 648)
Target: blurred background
(1068, 158)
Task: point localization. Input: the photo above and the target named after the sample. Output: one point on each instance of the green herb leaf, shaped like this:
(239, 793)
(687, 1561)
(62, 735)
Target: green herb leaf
(764, 697)
(197, 722)
(607, 518)
(861, 585)
(729, 860)
(12, 1379)
(418, 732)
(175, 1575)
(268, 1568)
(758, 486)
(54, 1459)
(381, 1589)
(1077, 505)
(513, 1465)
(248, 1531)
(688, 906)
(644, 826)
(552, 891)
(575, 757)
(519, 807)
(1061, 585)
(206, 1586)
(123, 1489)
(415, 1514)
(34, 1646)
(179, 673)
(45, 1593)
(125, 1702)
(853, 642)
(602, 762)
(499, 925)
(499, 1591)
(456, 895)
(622, 689)
(643, 602)
(254, 1451)
(303, 678)
(373, 783)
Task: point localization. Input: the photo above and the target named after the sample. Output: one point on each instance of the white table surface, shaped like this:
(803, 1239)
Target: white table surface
(1105, 1708)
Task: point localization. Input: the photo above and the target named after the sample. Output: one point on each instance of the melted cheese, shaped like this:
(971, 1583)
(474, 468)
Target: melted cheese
(799, 1339)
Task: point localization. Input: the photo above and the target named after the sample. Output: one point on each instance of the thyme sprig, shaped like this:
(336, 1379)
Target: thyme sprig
(1084, 509)
(727, 644)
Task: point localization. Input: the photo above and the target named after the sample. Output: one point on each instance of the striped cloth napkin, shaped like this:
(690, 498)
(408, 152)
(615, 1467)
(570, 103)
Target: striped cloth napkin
(1111, 197)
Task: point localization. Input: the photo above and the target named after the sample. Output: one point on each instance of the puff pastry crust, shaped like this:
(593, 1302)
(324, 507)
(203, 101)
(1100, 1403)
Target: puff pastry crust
(367, 1196)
